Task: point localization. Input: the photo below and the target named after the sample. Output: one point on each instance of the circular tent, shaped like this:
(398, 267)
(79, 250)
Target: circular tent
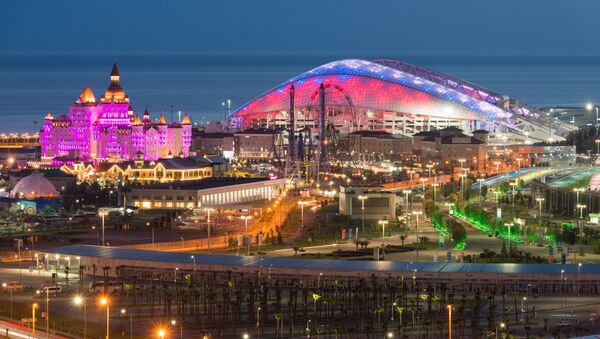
(34, 186)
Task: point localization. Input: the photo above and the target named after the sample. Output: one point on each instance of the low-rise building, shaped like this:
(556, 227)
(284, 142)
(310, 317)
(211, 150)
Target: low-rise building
(379, 145)
(258, 144)
(146, 171)
(378, 204)
(215, 143)
(451, 148)
(204, 193)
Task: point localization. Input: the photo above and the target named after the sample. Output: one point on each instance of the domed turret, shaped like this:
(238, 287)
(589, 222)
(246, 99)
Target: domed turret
(137, 121)
(87, 96)
(114, 92)
(161, 120)
(186, 120)
(48, 116)
(146, 118)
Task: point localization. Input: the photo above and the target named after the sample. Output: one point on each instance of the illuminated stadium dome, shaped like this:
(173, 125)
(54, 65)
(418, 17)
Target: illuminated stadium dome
(395, 97)
(34, 186)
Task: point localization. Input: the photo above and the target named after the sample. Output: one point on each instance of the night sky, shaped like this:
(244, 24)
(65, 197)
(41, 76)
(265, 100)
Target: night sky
(313, 27)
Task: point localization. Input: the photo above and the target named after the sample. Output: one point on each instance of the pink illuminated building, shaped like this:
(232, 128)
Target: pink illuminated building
(108, 130)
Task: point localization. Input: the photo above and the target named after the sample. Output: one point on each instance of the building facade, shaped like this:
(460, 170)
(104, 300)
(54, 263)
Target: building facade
(205, 193)
(451, 148)
(107, 130)
(378, 204)
(377, 145)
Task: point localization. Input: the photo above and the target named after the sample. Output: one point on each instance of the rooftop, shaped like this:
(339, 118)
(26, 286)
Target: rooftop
(202, 183)
(318, 264)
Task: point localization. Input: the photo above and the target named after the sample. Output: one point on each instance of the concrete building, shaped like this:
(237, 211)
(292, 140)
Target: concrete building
(206, 192)
(451, 148)
(257, 144)
(379, 145)
(378, 204)
(215, 143)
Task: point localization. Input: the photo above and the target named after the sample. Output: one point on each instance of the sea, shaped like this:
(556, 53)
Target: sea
(33, 85)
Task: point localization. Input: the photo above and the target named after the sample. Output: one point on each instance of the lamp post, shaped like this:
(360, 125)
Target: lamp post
(383, 223)
(577, 190)
(540, 200)
(105, 302)
(462, 176)
(47, 311)
(208, 210)
(194, 260)
(578, 277)
(152, 228)
(597, 141)
(423, 181)
(502, 326)
(174, 322)
(246, 218)
(434, 185)
(102, 215)
(78, 301)
(406, 193)
(34, 306)
(514, 185)
(302, 203)
(581, 207)
(480, 181)
(417, 213)
(449, 307)
(362, 199)
(161, 333)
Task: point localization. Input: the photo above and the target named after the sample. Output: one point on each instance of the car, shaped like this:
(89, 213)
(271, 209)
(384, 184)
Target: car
(51, 290)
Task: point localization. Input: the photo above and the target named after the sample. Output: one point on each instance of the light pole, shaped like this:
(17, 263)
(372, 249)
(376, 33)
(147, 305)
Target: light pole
(577, 190)
(434, 185)
(34, 306)
(449, 307)
(152, 228)
(123, 312)
(105, 302)
(383, 223)
(462, 176)
(578, 277)
(302, 203)
(173, 323)
(208, 210)
(194, 260)
(78, 301)
(47, 311)
(509, 226)
(514, 185)
(406, 193)
(562, 272)
(423, 181)
(417, 213)
(502, 325)
(362, 199)
(393, 310)
(581, 207)
(480, 181)
(597, 146)
(246, 218)
(102, 215)
(540, 200)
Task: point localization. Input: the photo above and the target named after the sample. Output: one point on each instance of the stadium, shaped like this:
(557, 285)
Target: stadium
(396, 97)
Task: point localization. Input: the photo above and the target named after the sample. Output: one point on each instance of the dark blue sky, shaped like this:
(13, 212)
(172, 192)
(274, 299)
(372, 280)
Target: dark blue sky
(344, 27)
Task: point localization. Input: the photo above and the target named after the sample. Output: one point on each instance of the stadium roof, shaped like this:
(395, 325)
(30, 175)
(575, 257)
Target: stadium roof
(472, 98)
(318, 264)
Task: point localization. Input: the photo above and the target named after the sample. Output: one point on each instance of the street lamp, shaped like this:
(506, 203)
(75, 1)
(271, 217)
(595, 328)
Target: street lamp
(173, 323)
(383, 223)
(577, 190)
(103, 214)
(540, 200)
(434, 185)
(581, 207)
(194, 260)
(208, 210)
(449, 307)
(161, 333)
(152, 227)
(105, 302)
(34, 306)
(246, 218)
(78, 301)
(362, 199)
(417, 213)
(480, 181)
(406, 193)
(502, 326)
(302, 203)
(423, 181)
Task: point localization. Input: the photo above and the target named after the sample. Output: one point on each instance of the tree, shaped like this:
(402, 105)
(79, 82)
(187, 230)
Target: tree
(404, 235)
(504, 251)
